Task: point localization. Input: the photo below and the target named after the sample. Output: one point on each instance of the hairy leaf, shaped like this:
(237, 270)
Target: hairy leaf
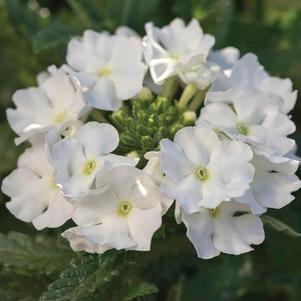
(42, 254)
(51, 36)
(89, 273)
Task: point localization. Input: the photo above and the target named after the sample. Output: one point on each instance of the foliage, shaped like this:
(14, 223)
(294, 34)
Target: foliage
(28, 265)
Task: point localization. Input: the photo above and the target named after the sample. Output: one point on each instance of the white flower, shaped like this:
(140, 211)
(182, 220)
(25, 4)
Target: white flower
(225, 58)
(165, 48)
(196, 71)
(127, 32)
(213, 231)
(272, 185)
(123, 216)
(153, 169)
(246, 74)
(254, 118)
(34, 194)
(202, 171)
(57, 100)
(69, 129)
(77, 159)
(108, 67)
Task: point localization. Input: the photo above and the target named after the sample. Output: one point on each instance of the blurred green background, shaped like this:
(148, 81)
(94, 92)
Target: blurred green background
(34, 34)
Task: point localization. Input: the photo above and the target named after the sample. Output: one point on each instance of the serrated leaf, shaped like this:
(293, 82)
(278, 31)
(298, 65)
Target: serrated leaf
(41, 254)
(89, 273)
(279, 226)
(51, 36)
(140, 290)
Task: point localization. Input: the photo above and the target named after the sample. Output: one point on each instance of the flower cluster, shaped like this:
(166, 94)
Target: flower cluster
(132, 128)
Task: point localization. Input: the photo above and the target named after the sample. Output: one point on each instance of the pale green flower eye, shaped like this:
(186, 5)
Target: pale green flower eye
(60, 117)
(214, 212)
(124, 208)
(202, 173)
(104, 72)
(89, 167)
(242, 129)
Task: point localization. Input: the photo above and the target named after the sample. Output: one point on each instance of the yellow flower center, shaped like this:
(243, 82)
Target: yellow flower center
(202, 173)
(53, 185)
(175, 56)
(213, 212)
(60, 117)
(104, 72)
(89, 167)
(124, 208)
(242, 129)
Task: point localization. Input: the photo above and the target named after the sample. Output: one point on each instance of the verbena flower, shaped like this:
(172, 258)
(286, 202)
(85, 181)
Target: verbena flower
(54, 102)
(77, 159)
(202, 171)
(35, 196)
(272, 186)
(254, 117)
(165, 48)
(109, 68)
(123, 216)
(246, 74)
(230, 228)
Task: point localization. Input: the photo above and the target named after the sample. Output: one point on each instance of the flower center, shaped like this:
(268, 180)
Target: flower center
(60, 117)
(104, 72)
(242, 128)
(124, 208)
(213, 212)
(89, 167)
(175, 56)
(202, 173)
(52, 184)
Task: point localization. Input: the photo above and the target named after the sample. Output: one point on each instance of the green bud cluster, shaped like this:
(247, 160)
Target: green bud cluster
(143, 123)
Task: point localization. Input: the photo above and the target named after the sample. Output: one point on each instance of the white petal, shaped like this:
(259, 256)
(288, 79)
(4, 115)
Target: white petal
(58, 212)
(97, 138)
(94, 207)
(187, 192)
(173, 161)
(197, 143)
(235, 234)
(114, 231)
(247, 73)
(89, 53)
(230, 166)
(200, 229)
(143, 224)
(219, 115)
(29, 194)
(80, 242)
(102, 95)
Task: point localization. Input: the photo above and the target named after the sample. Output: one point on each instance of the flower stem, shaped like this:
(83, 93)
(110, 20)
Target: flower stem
(98, 116)
(187, 94)
(170, 87)
(197, 100)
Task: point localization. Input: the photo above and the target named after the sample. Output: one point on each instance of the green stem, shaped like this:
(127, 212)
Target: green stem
(98, 116)
(197, 100)
(187, 94)
(170, 87)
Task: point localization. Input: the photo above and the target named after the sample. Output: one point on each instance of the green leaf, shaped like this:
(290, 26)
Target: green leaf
(89, 273)
(279, 226)
(139, 290)
(138, 12)
(42, 254)
(88, 11)
(51, 36)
